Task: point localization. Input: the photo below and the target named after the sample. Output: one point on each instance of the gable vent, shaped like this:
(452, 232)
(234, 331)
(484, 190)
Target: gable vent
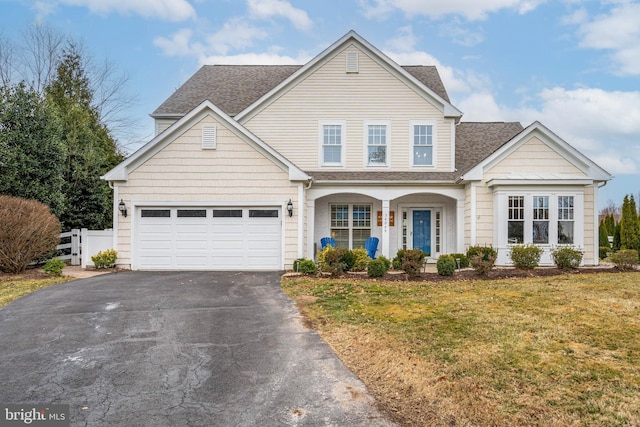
(352, 62)
(208, 137)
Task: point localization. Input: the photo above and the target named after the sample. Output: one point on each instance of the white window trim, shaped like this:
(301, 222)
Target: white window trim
(365, 132)
(434, 130)
(351, 227)
(343, 139)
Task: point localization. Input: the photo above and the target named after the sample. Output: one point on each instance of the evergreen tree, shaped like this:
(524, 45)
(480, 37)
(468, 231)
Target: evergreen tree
(90, 149)
(603, 236)
(31, 152)
(629, 228)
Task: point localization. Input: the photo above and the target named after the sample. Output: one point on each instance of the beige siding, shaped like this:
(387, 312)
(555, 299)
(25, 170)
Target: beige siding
(163, 124)
(184, 172)
(290, 124)
(484, 215)
(467, 215)
(534, 156)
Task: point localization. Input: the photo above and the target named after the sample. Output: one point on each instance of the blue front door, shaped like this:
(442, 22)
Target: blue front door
(422, 231)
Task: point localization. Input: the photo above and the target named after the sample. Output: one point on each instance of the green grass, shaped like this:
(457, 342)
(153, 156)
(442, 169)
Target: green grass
(16, 286)
(559, 350)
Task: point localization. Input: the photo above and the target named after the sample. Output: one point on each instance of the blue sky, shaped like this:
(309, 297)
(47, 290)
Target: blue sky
(574, 65)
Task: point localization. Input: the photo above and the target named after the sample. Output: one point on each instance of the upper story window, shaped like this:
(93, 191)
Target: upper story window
(377, 142)
(422, 144)
(332, 143)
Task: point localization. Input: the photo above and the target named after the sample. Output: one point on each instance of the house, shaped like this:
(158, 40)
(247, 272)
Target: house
(252, 165)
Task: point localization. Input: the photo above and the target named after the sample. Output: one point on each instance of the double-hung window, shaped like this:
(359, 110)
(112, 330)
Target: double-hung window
(350, 224)
(515, 233)
(541, 220)
(377, 140)
(332, 143)
(422, 146)
(565, 220)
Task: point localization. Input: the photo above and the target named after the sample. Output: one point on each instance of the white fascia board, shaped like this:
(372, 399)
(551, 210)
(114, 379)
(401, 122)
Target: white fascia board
(591, 169)
(121, 171)
(382, 59)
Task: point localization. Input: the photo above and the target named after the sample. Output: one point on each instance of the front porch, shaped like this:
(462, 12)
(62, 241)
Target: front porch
(430, 219)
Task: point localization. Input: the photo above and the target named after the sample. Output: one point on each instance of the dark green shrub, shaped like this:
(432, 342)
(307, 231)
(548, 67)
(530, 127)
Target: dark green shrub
(446, 265)
(482, 259)
(361, 259)
(308, 267)
(296, 264)
(464, 261)
(604, 251)
(378, 267)
(105, 259)
(567, 257)
(331, 261)
(397, 261)
(526, 257)
(54, 267)
(28, 232)
(625, 259)
(349, 259)
(411, 261)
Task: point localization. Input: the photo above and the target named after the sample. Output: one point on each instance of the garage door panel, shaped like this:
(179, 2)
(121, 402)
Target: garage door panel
(209, 238)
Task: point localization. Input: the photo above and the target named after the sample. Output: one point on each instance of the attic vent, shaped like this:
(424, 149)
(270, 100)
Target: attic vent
(352, 62)
(208, 137)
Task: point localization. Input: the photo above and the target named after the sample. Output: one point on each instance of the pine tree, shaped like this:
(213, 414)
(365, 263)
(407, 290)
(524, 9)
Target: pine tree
(629, 228)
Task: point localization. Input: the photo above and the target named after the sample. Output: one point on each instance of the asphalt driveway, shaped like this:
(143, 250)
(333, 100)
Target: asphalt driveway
(176, 349)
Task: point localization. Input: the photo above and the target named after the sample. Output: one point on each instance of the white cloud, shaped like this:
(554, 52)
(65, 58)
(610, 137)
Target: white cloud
(262, 9)
(255, 59)
(170, 10)
(235, 34)
(460, 33)
(618, 32)
(470, 9)
(179, 44)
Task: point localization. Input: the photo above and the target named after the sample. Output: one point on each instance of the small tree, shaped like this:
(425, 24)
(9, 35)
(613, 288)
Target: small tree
(28, 232)
(629, 228)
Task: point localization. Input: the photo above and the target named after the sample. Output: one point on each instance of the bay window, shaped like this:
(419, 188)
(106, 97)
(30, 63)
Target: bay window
(565, 220)
(541, 220)
(515, 225)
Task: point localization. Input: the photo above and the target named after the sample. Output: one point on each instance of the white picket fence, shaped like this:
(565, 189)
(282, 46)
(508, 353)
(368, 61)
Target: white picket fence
(78, 245)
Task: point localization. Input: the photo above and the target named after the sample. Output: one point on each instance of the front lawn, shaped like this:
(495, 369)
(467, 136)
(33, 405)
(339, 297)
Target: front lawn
(550, 351)
(14, 286)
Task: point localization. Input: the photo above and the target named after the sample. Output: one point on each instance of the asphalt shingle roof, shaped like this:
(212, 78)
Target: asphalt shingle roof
(232, 88)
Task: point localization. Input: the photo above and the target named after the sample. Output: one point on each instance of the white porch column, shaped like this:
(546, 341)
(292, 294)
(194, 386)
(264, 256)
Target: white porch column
(385, 228)
(311, 220)
(460, 225)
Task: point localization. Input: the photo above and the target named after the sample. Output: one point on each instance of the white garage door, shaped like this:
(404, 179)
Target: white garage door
(194, 238)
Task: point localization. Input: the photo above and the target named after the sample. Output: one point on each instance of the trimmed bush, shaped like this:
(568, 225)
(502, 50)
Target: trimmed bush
(331, 261)
(482, 259)
(54, 267)
(446, 265)
(604, 251)
(464, 261)
(349, 259)
(28, 232)
(105, 259)
(307, 267)
(567, 257)
(361, 259)
(409, 260)
(378, 267)
(625, 259)
(526, 257)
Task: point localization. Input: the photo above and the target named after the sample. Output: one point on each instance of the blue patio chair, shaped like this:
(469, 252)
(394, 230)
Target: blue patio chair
(371, 246)
(328, 241)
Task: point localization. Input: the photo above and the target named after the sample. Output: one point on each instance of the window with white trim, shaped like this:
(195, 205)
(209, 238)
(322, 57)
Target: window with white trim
(377, 143)
(422, 145)
(350, 224)
(332, 144)
(541, 220)
(565, 220)
(515, 225)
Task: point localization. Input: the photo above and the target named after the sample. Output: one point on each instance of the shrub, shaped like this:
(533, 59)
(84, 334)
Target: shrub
(296, 264)
(378, 267)
(567, 257)
(409, 260)
(482, 259)
(349, 259)
(361, 259)
(625, 259)
(464, 261)
(331, 261)
(526, 257)
(604, 251)
(28, 232)
(446, 265)
(308, 267)
(54, 267)
(105, 259)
